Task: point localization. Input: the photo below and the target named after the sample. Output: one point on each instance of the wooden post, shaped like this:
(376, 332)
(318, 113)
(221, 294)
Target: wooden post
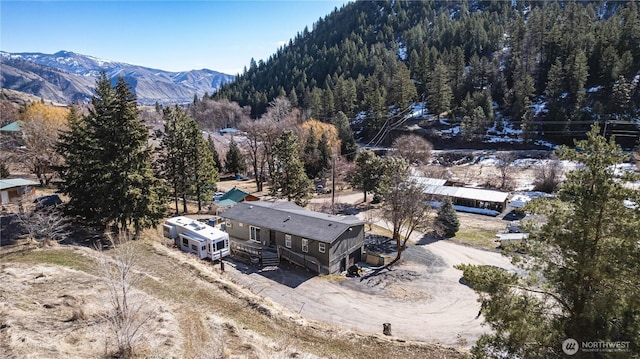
(386, 328)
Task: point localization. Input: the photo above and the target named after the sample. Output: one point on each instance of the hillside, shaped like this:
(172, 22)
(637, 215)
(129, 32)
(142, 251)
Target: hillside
(540, 70)
(69, 77)
(54, 302)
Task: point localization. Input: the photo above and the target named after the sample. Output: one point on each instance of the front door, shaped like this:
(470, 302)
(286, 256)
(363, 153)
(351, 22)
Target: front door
(272, 238)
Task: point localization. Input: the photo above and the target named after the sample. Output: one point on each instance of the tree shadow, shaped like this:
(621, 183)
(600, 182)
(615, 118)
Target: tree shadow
(429, 238)
(285, 273)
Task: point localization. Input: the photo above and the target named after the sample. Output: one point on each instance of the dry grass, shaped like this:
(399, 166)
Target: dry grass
(52, 305)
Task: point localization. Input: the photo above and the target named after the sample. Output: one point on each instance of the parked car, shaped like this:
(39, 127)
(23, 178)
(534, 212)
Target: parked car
(52, 200)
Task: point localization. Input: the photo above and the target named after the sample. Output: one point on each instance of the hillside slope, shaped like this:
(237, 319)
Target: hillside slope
(54, 301)
(544, 69)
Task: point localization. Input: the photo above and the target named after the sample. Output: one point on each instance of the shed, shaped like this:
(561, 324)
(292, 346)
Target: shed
(14, 126)
(237, 195)
(16, 189)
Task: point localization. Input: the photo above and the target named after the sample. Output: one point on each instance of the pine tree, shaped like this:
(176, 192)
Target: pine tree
(310, 155)
(289, 179)
(440, 92)
(367, 172)
(582, 266)
(324, 154)
(215, 154)
(447, 218)
(107, 172)
(172, 159)
(348, 146)
(234, 162)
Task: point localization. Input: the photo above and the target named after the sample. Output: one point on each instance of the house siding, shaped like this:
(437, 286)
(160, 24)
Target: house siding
(350, 243)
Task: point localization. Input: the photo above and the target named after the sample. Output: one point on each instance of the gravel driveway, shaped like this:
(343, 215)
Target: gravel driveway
(421, 297)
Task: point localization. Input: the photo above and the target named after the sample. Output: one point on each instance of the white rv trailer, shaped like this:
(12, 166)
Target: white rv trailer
(198, 238)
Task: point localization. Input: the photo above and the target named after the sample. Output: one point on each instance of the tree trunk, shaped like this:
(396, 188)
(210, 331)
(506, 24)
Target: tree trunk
(184, 203)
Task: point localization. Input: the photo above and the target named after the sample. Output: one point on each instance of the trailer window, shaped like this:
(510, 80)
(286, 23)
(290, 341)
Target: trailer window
(220, 245)
(305, 245)
(185, 242)
(321, 247)
(194, 247)
(287, 240)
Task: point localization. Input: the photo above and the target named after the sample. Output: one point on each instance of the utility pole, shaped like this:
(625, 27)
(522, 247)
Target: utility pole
(333, 185)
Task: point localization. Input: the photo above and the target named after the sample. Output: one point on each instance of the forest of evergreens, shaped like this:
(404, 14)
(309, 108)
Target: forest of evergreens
(479, 63)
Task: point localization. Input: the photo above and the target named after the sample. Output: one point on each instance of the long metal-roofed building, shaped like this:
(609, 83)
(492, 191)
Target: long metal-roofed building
(480, 198)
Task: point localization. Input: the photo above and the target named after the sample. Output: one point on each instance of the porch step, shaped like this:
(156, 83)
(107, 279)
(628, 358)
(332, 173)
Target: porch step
(270, 258)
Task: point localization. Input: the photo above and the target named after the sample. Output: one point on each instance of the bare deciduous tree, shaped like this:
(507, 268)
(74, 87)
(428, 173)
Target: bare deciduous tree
(215, 115)
(548, 175)
(40, 127)
(413, 148)
(505, 168)
(45, 226)
(127, 312)
(404, 207)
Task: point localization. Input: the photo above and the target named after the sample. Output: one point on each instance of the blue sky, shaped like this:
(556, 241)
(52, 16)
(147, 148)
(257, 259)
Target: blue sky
(167, 35)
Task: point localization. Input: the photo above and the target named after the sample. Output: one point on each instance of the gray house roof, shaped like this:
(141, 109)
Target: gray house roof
(288, 218)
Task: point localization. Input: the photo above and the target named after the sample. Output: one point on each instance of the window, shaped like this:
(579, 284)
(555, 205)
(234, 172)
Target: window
(204, 248)
(321, 247)
(305, 245)
(228, 224)
(221, 245)
(194, 247)
(185, 242)
(287, 240)
(254, 234)
(240, 224)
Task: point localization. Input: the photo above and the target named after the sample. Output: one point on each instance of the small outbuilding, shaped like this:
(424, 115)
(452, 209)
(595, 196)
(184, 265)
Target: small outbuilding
(321, 242)
(16, 189)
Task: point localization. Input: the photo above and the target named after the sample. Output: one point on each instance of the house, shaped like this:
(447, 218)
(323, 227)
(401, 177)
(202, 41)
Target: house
(196, 237)
(16, 189)
(321, 242)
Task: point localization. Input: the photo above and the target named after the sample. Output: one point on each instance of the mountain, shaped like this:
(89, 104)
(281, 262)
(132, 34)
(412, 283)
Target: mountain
(529, 69)
(69, 77)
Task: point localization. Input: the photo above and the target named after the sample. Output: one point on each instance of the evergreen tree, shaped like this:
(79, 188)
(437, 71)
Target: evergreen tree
(447, 218)
(234, 162)
(310, 155)
(324, 154)
(215, 154)
(367, 172)
(107, 172)
(289, 179)
(582, 266)
(348, 146)
(440, 92)
(203, 173)
(172, 154)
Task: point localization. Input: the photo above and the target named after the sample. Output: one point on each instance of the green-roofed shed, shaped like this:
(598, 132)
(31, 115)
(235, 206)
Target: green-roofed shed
(238, 195)
(14, 126)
